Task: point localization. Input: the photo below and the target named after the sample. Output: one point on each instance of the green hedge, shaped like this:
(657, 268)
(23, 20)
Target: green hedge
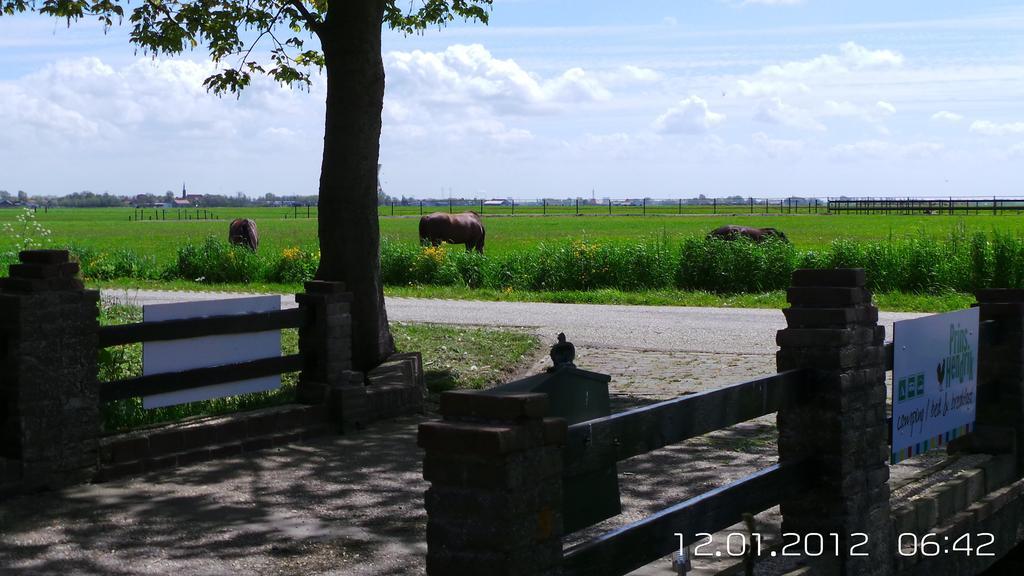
(920, 265)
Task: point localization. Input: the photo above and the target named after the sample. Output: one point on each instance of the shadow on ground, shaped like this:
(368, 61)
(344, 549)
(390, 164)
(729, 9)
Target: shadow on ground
(346, 505)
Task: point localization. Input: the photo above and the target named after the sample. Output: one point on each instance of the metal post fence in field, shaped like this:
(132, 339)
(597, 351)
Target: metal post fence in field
(513, 206)
(392, 209)
(609, 206)
(421, 207)
(645, 206)
(481, 207)
(714, 205)
(577, 206)
(544, 206)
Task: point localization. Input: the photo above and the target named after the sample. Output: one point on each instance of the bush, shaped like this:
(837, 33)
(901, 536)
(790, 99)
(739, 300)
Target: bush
(294, 266)
(121, 263)
(922, 264)
(732, 266)
(218, 261)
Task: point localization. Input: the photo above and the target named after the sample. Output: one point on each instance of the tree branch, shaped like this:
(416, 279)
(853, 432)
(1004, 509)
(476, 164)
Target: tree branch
(311, 21)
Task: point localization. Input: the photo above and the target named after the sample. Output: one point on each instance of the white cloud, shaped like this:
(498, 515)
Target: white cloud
(885, 108)
(689, 116)
(987, 128)
(464, 75)
(777, 148)
(851, 57)
(947, 116)
(1015, 152)
(775, 111)
(884, 150)
(147, 99)
(853, 64)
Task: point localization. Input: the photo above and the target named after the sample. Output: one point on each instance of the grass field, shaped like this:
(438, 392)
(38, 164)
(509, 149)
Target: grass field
(595, 259)
(109, 229)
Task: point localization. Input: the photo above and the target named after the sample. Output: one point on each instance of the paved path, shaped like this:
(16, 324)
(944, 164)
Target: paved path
(653, 328)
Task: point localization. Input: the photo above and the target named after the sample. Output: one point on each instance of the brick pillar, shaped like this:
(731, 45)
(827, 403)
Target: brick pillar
(1000, 408)
(494, 507)
(326, 344)
(48, 390)
(833, 335)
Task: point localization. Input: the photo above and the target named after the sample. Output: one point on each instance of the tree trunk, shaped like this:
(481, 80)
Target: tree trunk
(348, 228)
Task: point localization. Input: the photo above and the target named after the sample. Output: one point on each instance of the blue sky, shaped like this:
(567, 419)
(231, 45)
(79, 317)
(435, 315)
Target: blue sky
(558, 98)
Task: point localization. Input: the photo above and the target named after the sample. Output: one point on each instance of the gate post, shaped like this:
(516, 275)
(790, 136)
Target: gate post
(833, 335)
(1000, 408)
(49, 397)
(325, 341)
(494, 507)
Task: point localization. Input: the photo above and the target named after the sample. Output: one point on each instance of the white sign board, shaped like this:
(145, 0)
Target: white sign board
(934, 381)
(176, 355)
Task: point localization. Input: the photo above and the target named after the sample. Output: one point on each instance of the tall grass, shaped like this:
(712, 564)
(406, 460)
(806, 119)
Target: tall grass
(960, 262)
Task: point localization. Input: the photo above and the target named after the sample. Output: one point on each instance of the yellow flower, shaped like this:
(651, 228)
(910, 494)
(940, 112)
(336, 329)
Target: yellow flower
(434, 253)
(291, 253)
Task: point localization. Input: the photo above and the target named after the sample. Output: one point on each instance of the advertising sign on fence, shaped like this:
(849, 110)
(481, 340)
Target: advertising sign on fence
(177, 355)
(935, 381)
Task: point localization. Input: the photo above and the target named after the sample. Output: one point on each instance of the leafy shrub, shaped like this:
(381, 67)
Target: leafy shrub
(294, 266)
(731, 266)
(218, 261)
(121, 263)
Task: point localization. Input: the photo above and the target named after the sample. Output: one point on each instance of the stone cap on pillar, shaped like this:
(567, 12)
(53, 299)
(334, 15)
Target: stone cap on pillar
(481, 406)
(836, 277)
(43, 271)
(324, 287)
(1000, 296)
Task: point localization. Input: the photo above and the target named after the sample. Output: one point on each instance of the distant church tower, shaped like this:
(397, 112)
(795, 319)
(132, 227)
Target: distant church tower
(183, 191)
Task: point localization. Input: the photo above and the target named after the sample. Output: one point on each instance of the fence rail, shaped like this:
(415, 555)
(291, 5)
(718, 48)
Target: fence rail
(630, 547)
(198, 377)
(609, 207)
(595, 444)
(925, 206)
(120, 334)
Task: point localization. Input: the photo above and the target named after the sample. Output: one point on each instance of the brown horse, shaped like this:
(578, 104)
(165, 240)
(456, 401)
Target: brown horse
(732, 232)
(466, 228)
(242, 231)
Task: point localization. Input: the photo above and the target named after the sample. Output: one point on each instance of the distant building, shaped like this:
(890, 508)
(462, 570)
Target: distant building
(178, 203)
(8, 204)
(192, 199)
(496, 202)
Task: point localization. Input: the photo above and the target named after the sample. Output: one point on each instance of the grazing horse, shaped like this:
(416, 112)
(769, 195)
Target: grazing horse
(466, 228)
(732, 232)
(242, 231)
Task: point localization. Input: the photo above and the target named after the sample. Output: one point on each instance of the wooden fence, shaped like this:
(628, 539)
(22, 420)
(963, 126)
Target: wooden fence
(194, 328)
(497, 464)
(50, 396)
(934, 206)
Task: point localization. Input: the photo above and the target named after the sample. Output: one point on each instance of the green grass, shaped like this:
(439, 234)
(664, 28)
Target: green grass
(108, 229)
(459, 357)
(453, 358)
(599, 259)
(888, 301)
